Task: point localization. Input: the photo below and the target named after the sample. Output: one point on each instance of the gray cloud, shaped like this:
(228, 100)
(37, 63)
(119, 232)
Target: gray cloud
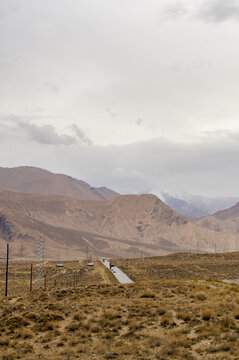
(45, 134)
(208, 11)
(52, 87)
(206, 166)
(80, 134)
(111, 113)
(139, 122)
(219, 10)
(173, 10)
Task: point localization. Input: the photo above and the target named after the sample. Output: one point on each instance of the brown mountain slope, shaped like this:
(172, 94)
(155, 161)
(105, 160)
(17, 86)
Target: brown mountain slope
(23, 233)
(128, 224)
(34, 180)
(222, 221)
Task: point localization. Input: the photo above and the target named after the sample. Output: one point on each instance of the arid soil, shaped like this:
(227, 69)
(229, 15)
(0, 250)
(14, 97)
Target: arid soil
(98, 319)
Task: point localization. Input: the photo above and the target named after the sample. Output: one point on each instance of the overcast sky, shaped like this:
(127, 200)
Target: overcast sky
(136, 95)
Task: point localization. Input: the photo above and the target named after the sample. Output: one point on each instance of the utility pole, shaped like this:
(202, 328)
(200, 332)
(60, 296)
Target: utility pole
(31, 279)
(21, 251)
(39, 274)
(7, 270)
(67, 249)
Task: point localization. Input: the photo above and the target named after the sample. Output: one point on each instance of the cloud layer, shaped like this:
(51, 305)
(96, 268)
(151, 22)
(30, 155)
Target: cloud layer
(206, 165)
(219, 11)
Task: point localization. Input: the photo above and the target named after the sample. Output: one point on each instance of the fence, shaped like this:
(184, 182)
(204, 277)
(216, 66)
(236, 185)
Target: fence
(17, 277)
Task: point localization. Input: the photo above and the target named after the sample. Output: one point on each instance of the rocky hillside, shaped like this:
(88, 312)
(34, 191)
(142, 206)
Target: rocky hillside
(125, 226)
(222, 221)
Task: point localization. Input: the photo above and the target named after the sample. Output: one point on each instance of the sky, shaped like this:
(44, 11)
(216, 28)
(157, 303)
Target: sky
(139, 96)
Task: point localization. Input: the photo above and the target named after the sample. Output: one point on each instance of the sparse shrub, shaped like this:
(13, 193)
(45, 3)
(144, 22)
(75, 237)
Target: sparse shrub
(4, 342)
(154, 341)
(95, 329)
(206, 314)
(26, 348)
(201, 296)
(236, 313)
(227, 323)
(162, 309)
(26, 334)
(133, 325)
(31, 316)
(72, 327)
(235, 288)
(77, 316)
(184, 315)
(15, 321)
(60, 343)
(50, 325)
(111, 314)
(147, 293)
(167, 320)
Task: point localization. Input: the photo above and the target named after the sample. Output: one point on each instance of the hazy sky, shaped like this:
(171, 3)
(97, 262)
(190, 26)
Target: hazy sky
(135, 95)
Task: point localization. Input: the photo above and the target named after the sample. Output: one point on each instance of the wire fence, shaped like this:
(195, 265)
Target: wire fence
(24, 276)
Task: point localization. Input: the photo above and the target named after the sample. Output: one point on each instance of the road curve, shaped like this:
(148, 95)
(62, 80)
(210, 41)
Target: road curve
(119, 274)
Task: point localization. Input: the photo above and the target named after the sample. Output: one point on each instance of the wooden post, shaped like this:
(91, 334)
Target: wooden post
(7, 270)
(31, 279)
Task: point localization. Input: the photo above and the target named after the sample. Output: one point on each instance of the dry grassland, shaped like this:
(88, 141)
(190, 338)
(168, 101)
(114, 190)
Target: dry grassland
(163, 319)
(182, 266)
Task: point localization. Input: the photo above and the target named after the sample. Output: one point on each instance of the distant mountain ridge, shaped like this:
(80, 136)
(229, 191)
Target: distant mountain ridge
(34, 180)
(222, 221)
(196, 206)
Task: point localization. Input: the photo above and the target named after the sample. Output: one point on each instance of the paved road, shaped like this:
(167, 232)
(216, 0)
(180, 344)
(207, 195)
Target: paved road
(119, 274)
(232, 281)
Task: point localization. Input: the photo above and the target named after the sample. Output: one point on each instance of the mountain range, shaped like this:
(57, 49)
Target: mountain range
(35, 206)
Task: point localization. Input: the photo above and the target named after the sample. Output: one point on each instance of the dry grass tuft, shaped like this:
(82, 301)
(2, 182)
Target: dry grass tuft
(207, 314)
(147, 293)
(201, 296)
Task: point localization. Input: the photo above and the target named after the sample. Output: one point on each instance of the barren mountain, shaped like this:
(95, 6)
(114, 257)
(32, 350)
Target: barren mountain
(34, 180)
(123, 226)
(222, 221)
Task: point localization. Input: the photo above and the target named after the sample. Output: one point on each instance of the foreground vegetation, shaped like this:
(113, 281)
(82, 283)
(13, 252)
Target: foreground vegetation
(97, 319)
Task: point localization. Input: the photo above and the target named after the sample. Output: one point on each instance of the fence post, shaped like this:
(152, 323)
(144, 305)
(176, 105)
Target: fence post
(6, 284)
(31, 279)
